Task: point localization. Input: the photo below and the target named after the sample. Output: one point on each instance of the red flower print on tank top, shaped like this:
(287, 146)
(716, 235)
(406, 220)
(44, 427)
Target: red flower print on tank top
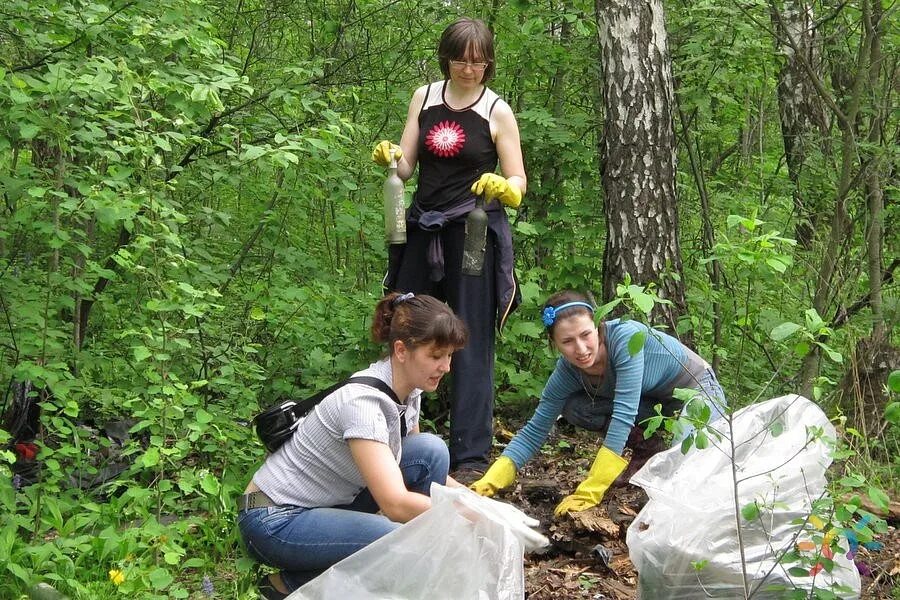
(445, 139)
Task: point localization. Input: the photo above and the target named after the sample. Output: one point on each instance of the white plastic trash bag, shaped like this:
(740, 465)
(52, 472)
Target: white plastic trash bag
(464, 547)
(691, 515)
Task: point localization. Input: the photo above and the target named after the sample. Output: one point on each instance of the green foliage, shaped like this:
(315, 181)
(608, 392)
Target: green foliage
(191, 230)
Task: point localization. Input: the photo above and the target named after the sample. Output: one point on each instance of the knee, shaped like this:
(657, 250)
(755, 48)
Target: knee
(431, 450)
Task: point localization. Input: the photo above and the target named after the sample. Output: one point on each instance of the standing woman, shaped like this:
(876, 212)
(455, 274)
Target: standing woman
(456, 131)
(313, 502)
(598, 384)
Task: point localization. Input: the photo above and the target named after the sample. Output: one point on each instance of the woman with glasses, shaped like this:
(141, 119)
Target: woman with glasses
(359, 451)
(609, 379)
(456, 132)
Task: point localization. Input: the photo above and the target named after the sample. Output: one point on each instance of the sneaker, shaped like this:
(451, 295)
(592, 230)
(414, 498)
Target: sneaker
(269, 591)
(469, 473)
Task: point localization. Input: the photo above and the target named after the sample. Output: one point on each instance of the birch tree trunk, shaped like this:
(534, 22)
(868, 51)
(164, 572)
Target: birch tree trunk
(804, 123)
(639, 161)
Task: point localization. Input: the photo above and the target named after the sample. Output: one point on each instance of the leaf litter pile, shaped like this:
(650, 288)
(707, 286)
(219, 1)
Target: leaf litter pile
(588, 558)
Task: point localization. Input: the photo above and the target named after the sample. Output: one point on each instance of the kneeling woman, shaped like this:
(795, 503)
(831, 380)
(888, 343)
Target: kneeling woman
(314, 501)
(598, 384)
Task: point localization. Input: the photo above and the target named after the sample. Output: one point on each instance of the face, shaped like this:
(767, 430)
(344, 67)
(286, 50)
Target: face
(426, 365)
(577, 340)
(468, 71)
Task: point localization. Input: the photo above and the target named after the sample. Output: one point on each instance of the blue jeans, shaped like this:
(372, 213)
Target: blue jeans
(303, 542)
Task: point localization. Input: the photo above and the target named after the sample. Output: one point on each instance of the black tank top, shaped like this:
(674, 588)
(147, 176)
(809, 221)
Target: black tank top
(455, 148)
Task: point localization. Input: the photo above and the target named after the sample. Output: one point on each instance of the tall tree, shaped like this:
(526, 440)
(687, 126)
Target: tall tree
(804, 123)
(638, 153)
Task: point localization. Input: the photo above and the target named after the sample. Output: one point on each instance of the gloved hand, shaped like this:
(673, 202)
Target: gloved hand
(381, 155)
(607, 466)
(496, 186)
(521, 525)
(501, 474)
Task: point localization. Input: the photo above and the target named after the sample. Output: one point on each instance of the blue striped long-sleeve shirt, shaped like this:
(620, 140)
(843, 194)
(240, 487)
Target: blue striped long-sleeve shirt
(652, 373)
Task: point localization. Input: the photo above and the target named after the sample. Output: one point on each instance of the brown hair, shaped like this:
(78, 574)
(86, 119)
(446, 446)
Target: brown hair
(564, 297)
(417, 321)
(463, 35)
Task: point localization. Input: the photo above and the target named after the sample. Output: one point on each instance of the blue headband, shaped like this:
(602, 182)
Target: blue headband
(551, 312)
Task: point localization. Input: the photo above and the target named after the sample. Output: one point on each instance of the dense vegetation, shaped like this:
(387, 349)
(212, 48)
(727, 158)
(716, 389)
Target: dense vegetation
(191, 228)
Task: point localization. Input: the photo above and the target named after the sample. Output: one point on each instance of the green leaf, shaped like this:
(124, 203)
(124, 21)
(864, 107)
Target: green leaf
(210, 484)
(253, 152)
(892, 413)
(28, 130)
(150, 457)
(525, 228)
(813, 321)
(607, 308)
(894, 381)
(203, 416)
(18, 571)
(750, 511)
(643, 301)
(257, 313)
(783, 331)
(160, 579)
(701, 440)
(852, 481)
(776, 264)
(140, 353)
(776, 428)
(798, 572)
(636, 342)
(834, 355)
(880, 499)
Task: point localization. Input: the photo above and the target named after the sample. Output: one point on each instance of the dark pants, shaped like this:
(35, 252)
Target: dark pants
(474, 300)
(594, 415)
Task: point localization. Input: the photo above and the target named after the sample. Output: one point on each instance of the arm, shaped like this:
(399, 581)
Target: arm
(560, 385)
(609, 464)
(530, 438)
(382, 476)
(409, 141)
(509, 145)
(629, 371)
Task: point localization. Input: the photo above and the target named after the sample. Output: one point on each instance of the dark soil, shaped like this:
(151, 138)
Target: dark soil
(588, 558)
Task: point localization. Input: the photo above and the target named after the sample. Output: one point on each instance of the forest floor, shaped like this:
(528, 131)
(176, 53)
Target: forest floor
(588, 558)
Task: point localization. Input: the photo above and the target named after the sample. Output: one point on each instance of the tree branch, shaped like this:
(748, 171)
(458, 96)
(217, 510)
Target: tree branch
(43, 60)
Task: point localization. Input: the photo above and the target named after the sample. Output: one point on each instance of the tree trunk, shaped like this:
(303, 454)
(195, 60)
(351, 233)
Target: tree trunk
(639, 161)
(804, 124)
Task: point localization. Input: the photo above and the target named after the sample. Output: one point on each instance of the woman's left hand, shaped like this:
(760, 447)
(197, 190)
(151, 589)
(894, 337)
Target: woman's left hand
(607, 466)
(497, 186)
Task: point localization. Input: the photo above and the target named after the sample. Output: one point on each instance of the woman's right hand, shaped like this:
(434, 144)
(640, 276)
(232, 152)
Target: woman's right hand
(381, 155)
(501, 474)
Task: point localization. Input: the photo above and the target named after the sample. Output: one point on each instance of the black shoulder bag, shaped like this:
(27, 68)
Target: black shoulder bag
(277, 423)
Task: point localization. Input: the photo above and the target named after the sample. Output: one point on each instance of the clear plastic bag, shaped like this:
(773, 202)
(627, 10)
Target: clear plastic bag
(464, 547)
(691, 516)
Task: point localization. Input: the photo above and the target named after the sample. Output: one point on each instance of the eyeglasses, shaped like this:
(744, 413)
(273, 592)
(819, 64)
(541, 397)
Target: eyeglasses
(462, 64)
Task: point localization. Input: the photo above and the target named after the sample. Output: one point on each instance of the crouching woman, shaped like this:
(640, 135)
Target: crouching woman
(602, 384)
(314, 501)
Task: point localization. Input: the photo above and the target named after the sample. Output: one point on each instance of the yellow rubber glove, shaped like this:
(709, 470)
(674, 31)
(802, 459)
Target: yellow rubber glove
(501, 474)
(382, 153)
(607, 466)
(495, 186)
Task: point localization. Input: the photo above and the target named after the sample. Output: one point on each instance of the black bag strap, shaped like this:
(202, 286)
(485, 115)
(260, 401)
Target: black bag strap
(304, 406)
(383, 387)
(377, 384)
